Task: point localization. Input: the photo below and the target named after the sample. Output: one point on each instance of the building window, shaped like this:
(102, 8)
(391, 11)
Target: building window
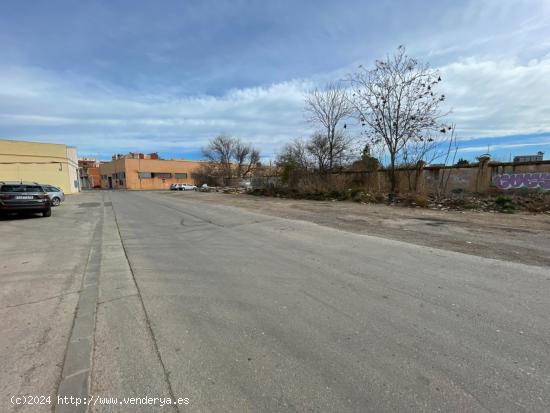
(144, 175)
(181, 175)
(164, 175)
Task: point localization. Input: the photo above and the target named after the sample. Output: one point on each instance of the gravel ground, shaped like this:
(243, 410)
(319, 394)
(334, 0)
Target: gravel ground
(519, 237)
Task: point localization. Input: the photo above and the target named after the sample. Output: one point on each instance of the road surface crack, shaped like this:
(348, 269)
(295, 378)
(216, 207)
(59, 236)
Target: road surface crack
(41, 300)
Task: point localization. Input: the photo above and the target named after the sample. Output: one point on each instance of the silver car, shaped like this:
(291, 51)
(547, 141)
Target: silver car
(187, 187)
(56, 194)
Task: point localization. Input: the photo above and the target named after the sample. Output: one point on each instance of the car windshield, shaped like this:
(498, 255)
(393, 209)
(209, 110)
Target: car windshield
(21, 188)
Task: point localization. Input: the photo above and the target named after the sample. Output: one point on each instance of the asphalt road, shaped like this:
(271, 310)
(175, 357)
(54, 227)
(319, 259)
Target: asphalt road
(242, 312)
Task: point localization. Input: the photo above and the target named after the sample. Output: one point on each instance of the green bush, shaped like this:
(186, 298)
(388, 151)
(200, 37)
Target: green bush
(504, 204)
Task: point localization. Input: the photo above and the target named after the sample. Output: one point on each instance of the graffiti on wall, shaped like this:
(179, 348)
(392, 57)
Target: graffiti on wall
(524, 180)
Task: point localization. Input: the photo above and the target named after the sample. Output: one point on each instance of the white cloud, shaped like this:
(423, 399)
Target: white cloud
(38, 105)
(489, 97)
(498, 97)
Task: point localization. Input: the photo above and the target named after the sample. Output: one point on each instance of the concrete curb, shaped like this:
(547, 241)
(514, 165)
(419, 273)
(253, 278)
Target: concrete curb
(75, 379)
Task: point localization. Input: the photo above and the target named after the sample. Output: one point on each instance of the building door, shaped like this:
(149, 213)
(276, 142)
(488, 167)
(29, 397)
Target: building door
(110, 183)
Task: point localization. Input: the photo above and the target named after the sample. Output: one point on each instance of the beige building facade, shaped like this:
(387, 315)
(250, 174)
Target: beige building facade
(45, 163)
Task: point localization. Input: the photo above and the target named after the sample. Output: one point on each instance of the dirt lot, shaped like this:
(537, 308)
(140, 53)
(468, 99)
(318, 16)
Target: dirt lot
(519, 237)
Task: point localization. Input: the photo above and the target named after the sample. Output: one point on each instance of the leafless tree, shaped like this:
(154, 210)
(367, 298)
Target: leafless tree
(246, 158)
(295, 154)
(231, 157)
(318, 148)
(220, 151)
(397, 103)
(327, 109)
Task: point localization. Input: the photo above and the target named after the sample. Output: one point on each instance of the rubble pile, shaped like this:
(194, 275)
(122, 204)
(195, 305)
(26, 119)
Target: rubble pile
(533, 202)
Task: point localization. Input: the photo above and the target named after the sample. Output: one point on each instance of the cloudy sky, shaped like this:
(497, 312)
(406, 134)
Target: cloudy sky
(116, 76)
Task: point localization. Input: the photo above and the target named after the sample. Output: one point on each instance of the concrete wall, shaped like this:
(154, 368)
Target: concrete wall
(124, 173)
(487, 177)
(484, 177)
(45, 163)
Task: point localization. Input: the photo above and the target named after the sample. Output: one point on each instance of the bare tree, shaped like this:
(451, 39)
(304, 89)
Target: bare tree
(220, 151)
(229, 156)
(397, 102)
(295, 154)
(318, 147)
(246, 158)
(327, 109)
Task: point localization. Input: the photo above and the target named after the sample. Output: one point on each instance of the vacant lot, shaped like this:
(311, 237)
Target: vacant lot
(519, 237)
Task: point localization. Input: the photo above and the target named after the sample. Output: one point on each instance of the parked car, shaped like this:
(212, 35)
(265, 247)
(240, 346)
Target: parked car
(56, 194)
(182, 187)
(21, 197)
(187, 187)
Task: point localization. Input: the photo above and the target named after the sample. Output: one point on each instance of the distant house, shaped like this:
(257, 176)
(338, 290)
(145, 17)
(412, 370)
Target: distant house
(529, 158)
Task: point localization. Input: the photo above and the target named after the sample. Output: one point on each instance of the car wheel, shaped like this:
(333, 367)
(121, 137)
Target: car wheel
(56, 201)
(47, 213)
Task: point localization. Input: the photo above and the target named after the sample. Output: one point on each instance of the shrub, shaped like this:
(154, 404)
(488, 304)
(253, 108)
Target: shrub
(468, 204)
(504, 204)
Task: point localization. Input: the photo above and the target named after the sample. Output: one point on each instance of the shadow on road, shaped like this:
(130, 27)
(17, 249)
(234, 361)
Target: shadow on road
(18, 216)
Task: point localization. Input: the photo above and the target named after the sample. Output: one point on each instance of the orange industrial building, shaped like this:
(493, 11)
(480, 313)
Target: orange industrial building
(137, 171)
